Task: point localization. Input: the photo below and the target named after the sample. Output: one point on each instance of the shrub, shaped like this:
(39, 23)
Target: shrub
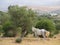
(9, 30)
(46, 24)
(58, 26)
(18, 40)
(1, 29)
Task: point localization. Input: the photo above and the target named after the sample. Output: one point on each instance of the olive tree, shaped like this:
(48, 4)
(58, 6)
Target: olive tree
(22, 17)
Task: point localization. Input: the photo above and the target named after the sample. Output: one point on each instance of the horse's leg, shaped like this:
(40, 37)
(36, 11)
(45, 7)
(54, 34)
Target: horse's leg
(43, 34)
(36, 34)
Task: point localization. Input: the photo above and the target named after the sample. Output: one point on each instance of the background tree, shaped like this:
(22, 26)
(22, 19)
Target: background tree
(4, 17)
(9, 29)
(22, 17)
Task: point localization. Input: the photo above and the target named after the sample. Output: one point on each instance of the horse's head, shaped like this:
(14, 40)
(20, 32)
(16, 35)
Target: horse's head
(47, 33)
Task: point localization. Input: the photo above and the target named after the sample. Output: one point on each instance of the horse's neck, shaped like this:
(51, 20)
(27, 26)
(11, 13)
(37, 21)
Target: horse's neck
(34, 29)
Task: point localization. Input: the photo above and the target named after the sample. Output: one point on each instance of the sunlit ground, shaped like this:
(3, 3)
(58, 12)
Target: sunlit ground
(31, 41)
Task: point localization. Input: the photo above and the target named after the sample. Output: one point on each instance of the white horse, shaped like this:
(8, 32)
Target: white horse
(38, 32)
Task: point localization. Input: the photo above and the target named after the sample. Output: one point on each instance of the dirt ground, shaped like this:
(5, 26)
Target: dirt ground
(31, 41)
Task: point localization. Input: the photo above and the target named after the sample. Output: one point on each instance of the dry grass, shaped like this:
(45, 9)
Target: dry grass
(30, 41)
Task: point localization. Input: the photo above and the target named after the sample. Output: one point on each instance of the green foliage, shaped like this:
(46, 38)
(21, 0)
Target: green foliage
(4, 17)
(58, 26)
(18, 40)
(7, 25)
(46, 24)
(1, 29)
(22, 17)
(8, 29)
(19, 29)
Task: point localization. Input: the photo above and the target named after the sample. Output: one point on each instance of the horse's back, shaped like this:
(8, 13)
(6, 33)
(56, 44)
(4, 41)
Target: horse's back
(39, 32)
